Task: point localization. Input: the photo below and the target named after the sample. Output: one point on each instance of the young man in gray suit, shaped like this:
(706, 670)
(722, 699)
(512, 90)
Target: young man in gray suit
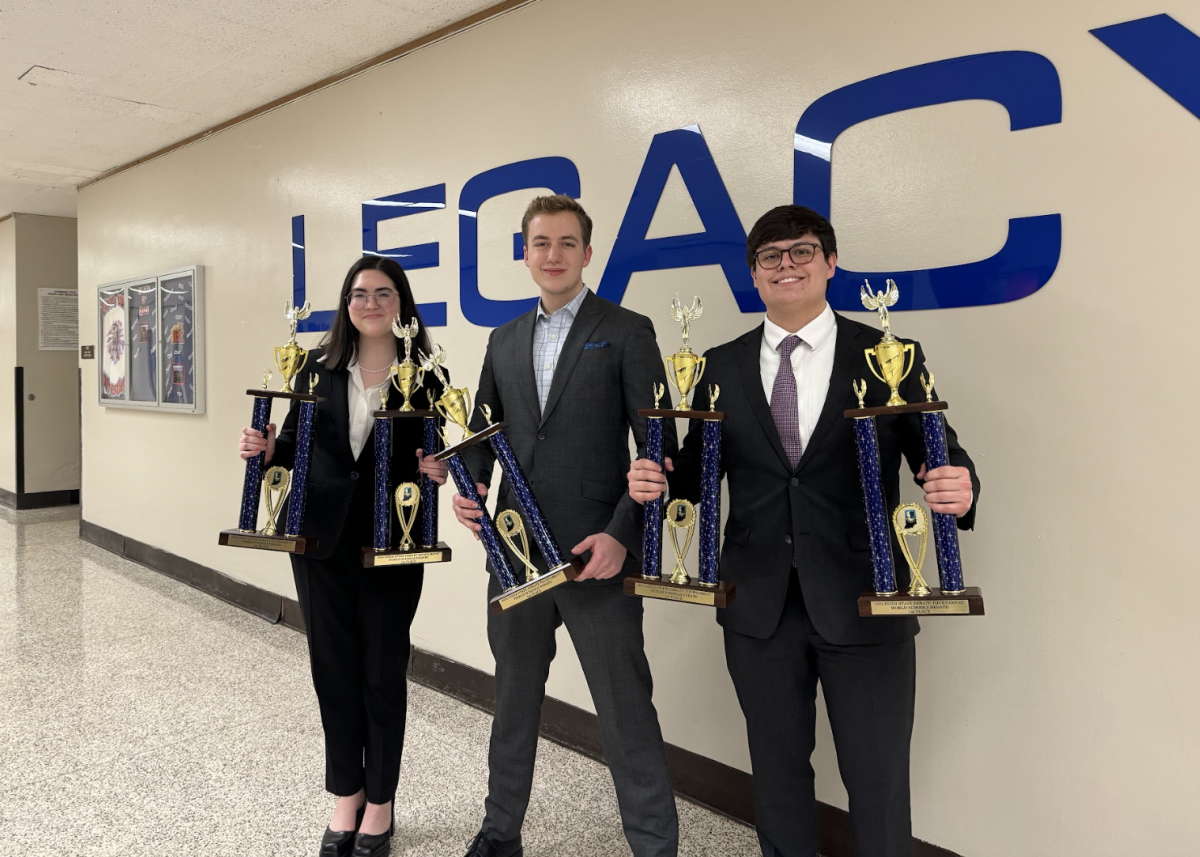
(569, 377)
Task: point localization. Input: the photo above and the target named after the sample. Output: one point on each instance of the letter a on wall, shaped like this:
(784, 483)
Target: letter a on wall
(723, 241)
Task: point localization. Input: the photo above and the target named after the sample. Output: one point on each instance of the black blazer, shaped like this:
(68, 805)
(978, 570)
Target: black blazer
(811, 517)
(576, 454)
(334, 475)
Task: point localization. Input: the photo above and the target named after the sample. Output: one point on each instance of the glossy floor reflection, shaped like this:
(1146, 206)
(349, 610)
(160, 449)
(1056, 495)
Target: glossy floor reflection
(139, 716)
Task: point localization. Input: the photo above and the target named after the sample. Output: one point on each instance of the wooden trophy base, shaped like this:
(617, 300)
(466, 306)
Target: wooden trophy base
(721, 595)
(686, 414)
(969, 602)
(257, 541)
(469, 441)
(396, 414)
(291, 397)
(885, 410)
(416, 555)
(556, 576)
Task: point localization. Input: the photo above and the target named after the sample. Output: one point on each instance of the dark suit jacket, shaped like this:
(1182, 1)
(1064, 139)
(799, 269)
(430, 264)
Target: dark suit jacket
(576, 455)
(811, 517)
(334, 475)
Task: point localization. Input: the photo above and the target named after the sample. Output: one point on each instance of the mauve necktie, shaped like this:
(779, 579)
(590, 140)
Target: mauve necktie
(783, 402)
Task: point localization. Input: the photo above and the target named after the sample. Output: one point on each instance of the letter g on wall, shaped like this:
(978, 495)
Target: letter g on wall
(1027, 85)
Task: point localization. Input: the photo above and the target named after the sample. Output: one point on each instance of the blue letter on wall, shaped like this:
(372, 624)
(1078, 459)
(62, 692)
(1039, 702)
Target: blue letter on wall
(410, 258)
(723, 241)
(1162, 49)
(1026, 84)
(557, 174)
(320, 319)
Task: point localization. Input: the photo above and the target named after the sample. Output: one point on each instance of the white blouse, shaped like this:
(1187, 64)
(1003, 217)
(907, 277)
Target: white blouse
(363, 401)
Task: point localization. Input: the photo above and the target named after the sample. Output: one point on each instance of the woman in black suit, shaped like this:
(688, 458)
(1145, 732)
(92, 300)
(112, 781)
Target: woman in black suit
(356, 619)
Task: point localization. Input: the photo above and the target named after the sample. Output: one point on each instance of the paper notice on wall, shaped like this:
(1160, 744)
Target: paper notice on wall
(58, 319)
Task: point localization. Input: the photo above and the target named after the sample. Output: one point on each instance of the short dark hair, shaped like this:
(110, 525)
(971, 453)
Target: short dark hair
(553, 205)
(790, 221)
(340, 343)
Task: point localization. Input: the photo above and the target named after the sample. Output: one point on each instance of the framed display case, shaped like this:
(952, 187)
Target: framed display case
(151, 342)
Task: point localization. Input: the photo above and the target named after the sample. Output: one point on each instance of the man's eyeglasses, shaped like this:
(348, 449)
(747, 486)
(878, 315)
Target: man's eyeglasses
(773, 257)
(383, 299)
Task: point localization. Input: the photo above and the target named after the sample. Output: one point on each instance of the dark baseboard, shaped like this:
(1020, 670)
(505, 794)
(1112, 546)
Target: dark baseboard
(258, 601)
(701, 780)
(39, 499)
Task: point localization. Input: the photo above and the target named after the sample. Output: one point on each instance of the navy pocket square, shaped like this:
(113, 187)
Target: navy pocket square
(590, 345)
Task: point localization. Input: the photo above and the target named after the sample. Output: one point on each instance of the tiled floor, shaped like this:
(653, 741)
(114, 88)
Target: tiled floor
(141, 717)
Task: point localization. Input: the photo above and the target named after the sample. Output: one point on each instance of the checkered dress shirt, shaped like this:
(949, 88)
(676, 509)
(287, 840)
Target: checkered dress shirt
(549, 334)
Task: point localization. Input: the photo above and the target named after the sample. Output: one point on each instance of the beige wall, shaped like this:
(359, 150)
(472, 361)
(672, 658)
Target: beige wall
(8, 354)
(47, 259)
(1063, 723)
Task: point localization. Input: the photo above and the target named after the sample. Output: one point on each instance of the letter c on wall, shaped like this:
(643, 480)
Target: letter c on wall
(1027, 85)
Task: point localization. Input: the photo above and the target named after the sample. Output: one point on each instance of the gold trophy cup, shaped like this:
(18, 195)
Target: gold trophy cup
(890, 352)
(407, 376)
(290, 358)
(685, 367)
(454, 405)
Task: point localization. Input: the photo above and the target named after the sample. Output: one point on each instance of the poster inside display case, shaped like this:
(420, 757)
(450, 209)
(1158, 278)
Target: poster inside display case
(143, 318)
(151, 339)
(177, 335)
(113, 340)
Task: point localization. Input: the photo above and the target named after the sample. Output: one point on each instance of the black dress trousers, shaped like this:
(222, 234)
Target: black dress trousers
(357, 622)
(869, 695)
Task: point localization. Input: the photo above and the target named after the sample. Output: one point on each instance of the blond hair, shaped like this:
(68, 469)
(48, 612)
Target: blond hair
(553, 205)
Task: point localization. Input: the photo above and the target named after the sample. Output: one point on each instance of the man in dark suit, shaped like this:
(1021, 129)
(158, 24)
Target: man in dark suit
(569, 377)
(796, 545)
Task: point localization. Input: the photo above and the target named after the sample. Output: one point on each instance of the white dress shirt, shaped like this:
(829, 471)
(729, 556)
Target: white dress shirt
(363, 401)
(812, 361)
(549, 333)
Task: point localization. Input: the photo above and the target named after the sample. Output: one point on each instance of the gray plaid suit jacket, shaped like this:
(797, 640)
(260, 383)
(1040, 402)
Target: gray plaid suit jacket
(576, 454)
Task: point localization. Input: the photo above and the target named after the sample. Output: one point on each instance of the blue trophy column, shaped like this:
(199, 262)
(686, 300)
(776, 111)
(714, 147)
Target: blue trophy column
(945, 527)
(525, 499)
(488, 534)
(429, 492)
(248, 519)
(867, 442)
(710, 501)
(383, 457)
(652, 510)
(299, 493)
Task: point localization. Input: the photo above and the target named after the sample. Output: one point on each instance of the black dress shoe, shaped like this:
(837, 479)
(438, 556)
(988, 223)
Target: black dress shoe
(340, 843)
(483, 846)
(374, 844)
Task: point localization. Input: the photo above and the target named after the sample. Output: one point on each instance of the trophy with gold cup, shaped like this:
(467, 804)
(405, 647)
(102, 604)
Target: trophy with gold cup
(455, 406)
(909, 521)
(408, 498)
(277, 485)
(685, 369)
